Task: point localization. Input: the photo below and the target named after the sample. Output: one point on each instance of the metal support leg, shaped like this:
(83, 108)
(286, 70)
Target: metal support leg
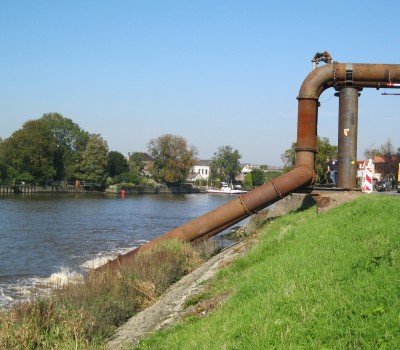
(347, 140)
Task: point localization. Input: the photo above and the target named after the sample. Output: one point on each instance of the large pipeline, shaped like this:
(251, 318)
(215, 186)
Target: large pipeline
(332, 74)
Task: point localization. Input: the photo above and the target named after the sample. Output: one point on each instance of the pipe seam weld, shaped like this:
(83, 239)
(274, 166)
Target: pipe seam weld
(249, 212)
(279, 194)
(305, 149)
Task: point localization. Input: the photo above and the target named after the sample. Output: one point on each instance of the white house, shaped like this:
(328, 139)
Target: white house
(201, 171)
(246, 168)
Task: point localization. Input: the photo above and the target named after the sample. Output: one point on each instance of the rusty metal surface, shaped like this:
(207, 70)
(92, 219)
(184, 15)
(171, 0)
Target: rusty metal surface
(321, 78)
(369, 73)
(347, 140)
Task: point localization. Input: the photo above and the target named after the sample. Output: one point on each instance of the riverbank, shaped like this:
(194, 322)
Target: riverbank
(156, 189)
(332, 276)
(114, 189)
(172, 306)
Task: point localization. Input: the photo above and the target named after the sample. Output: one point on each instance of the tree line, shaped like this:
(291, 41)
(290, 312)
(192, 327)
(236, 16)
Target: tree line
(55, 149)
(388, 167)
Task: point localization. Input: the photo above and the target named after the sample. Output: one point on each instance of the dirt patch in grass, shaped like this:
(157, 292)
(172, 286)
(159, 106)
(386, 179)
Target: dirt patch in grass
(326, 201)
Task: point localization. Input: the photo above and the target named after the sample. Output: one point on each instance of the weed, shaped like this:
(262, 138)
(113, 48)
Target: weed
(83, 315)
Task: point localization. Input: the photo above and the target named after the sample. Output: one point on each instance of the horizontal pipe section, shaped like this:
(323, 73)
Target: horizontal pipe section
(320, 79)
(364, 73)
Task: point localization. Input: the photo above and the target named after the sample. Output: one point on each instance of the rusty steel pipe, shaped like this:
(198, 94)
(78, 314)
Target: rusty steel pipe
(367, 73)
(347, 139)
(230, 213)
(321, 78)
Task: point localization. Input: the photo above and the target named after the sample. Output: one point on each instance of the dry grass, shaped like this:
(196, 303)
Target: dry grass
(84, 315)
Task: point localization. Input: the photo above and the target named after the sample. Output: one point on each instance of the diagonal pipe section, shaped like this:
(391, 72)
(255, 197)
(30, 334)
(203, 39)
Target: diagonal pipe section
(321, 78)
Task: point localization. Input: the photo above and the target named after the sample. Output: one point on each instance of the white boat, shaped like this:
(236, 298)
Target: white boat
(225, 189)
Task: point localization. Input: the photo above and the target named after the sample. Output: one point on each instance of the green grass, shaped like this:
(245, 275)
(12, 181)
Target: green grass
(328, 281)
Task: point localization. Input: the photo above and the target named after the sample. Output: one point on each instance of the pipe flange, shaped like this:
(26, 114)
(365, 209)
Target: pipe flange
(305, 149)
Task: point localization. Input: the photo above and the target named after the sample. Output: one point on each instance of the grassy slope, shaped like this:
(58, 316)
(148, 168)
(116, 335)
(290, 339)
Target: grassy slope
(314, 282)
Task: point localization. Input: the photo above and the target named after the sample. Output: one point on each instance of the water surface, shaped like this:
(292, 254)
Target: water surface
(57, 235)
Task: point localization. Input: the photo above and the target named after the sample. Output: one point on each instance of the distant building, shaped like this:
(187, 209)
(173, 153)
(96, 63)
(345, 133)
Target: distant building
(201, 171)
(248, 168)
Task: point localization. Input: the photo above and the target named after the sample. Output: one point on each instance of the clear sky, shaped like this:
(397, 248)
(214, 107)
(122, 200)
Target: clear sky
(216, 72)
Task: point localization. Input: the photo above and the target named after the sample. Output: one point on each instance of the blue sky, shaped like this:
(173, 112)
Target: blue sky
(216, 72)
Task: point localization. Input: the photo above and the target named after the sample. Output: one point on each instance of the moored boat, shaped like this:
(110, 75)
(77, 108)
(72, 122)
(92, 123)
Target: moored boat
(225, 189)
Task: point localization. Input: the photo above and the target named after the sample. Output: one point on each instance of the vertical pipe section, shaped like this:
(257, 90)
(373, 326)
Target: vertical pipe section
(347, 139)
(306, 145)
(316, 82)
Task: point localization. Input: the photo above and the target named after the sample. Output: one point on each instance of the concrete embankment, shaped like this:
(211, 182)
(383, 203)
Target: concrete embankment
(158, 189)
(170, 307)
(34, 188)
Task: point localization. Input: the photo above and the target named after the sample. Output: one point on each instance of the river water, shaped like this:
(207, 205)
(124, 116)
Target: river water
(46, 238)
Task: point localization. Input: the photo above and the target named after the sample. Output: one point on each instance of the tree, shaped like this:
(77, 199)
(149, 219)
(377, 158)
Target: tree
(371, 152)
(257, 177)
(29, 153)
(173, 158)
(137, 163)
(225, 163)
(389, 168)
(270, 175)
(248, 182)
(289, 157)
(71, 142)
(117, 163)
(94, 166)
(325, 150)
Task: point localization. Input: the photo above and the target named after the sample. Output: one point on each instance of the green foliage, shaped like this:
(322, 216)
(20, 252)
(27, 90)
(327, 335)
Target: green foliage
(94, 165)
(30, 150)
(257, 177)
(71, 142)
(117, 163)
(173, 158)
(47, 148)
(248, 181)
(313, 282)
(289, 157)
(137, 163)
(270, 175)
(325, 150)
(131, 177)
(200, 182)
(225, 163)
